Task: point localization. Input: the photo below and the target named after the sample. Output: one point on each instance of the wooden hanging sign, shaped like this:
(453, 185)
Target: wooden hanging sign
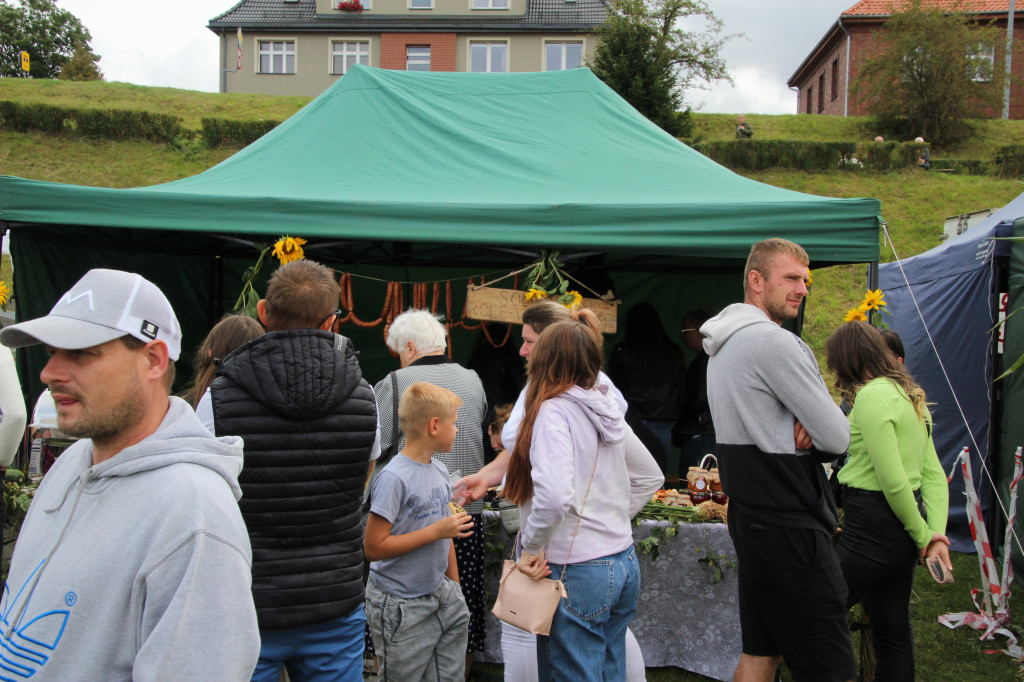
(507, 305)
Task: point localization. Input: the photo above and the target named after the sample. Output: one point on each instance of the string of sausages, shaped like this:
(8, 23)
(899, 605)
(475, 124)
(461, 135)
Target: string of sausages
(394, 305)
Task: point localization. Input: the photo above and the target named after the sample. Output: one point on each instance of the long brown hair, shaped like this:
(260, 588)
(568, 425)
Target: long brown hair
(227, 335)
(567, 354)
(857, 353)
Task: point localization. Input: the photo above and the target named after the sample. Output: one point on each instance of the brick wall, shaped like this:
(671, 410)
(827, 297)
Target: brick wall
(864, 45)
(442, 49)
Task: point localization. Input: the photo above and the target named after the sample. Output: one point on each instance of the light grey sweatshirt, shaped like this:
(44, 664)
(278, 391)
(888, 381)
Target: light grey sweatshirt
(761, 379)
(137, 568)
(569, 433)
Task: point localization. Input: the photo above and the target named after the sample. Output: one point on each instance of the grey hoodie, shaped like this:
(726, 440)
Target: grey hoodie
(137, 568)
(569, 433)
(761, 379)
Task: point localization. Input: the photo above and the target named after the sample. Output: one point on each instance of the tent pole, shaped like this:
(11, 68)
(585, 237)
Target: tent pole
(872, 285)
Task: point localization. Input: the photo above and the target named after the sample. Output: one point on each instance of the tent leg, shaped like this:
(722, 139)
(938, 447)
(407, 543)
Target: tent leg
(872, 285)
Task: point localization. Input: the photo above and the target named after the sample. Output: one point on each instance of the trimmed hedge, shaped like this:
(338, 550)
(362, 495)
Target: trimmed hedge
(755, 155)
(963, 166)
(112, 124)
(218, 132)
(1010, 161)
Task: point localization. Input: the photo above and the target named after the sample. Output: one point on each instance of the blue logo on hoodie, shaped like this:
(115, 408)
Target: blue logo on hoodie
(25, 642)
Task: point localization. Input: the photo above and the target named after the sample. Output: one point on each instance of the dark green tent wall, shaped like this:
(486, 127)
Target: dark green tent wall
(450, 173)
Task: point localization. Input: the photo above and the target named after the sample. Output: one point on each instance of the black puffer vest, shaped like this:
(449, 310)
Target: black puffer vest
(308, 420)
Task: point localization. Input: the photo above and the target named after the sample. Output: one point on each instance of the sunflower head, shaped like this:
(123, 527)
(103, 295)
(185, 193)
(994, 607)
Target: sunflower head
(810, 277)
(536, 294)
(571, 299)
(858, 314)
(288, 249)
(873, 300)
(5, 294)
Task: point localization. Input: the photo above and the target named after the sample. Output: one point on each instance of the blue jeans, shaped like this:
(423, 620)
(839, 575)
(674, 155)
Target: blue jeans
(588, 633)
(332, 650)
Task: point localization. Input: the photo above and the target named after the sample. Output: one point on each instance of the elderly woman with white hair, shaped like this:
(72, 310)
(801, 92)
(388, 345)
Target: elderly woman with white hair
(418, 337)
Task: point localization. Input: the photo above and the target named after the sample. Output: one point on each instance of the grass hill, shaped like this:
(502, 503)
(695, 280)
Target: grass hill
(914, 203)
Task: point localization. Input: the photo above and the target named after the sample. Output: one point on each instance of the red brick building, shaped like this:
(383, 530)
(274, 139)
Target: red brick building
(822, 80)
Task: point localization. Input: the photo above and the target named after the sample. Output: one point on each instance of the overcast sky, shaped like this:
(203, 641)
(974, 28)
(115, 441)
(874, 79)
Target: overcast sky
(168, 44)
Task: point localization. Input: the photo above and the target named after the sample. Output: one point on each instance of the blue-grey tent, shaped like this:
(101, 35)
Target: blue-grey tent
(952, 297)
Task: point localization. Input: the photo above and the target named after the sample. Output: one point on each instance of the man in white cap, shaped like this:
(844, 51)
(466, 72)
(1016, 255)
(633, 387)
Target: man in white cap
(133, 562)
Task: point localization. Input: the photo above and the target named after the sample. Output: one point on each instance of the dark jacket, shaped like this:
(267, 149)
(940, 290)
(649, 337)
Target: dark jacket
(695, 413)
(308, 419)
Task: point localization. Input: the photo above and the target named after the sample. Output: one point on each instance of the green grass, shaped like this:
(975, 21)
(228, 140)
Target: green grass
(191, 105)
(941, 654)
(100, 163)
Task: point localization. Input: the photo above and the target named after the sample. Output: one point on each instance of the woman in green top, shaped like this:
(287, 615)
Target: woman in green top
(895, 495)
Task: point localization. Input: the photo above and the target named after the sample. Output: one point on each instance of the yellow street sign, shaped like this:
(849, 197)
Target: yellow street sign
(24, 61)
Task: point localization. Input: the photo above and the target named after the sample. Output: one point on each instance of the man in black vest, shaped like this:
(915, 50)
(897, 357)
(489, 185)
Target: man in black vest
(297, 397)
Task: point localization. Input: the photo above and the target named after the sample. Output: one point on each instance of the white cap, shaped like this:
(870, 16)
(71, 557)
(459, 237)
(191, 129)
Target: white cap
(918, 139)
(104, 305)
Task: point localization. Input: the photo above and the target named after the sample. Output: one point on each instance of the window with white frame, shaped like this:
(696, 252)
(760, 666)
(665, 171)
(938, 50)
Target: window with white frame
(488, 57)
(562, 56)
(490, 4)
(347, 53)
(981, 62)
(277, 56)
(417, 58)
(421, 4)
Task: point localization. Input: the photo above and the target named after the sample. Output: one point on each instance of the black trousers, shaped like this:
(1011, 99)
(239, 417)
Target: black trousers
(878, 560)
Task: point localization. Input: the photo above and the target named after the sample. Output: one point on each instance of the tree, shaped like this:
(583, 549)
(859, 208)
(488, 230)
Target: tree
(934, 72)
(82, 66)
(650, 62)
(49, 35)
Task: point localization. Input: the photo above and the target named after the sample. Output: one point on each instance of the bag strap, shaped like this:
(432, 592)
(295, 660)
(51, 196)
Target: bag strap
(579, 518)
(394, 410)
(387, 454)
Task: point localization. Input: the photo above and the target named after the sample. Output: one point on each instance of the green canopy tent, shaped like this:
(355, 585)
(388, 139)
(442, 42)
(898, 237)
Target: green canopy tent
(425, 176)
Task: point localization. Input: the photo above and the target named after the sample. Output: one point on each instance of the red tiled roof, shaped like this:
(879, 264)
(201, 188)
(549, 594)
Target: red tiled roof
(885, 7)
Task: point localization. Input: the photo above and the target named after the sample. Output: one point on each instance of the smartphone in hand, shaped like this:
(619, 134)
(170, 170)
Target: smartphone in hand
(938, 570)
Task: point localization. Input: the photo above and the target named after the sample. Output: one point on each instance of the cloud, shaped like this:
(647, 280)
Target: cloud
(169, 45)
(757, 91)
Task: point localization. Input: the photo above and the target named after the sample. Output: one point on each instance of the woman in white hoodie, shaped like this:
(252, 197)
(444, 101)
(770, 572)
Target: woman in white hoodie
(579, 475)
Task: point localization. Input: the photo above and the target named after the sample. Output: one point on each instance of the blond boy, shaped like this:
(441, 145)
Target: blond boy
(414, 605)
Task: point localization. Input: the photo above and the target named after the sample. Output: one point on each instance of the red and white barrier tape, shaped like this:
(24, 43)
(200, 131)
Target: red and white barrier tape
(993, 614)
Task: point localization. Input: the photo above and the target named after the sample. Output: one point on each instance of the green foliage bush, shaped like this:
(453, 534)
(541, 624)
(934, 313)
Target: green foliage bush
(1010, 161)
(755, 155)
(24, 117)
(886, 157)
(223, 132)
(119, 124)
(111, 124)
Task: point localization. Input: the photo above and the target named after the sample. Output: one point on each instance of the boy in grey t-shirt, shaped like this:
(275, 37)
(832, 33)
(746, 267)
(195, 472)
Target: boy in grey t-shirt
(414, 605)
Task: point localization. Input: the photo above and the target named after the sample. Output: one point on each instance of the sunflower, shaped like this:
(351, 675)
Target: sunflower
(810, 277)
(873, 300)
(858, 314)
(288, 249)
(535, 294)
(571, 299)
(5, 293)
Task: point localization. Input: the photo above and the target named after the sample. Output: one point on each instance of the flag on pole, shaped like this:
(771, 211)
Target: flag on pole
(238, 64)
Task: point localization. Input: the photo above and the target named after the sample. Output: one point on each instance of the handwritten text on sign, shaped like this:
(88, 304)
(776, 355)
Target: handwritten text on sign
(507, 305)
